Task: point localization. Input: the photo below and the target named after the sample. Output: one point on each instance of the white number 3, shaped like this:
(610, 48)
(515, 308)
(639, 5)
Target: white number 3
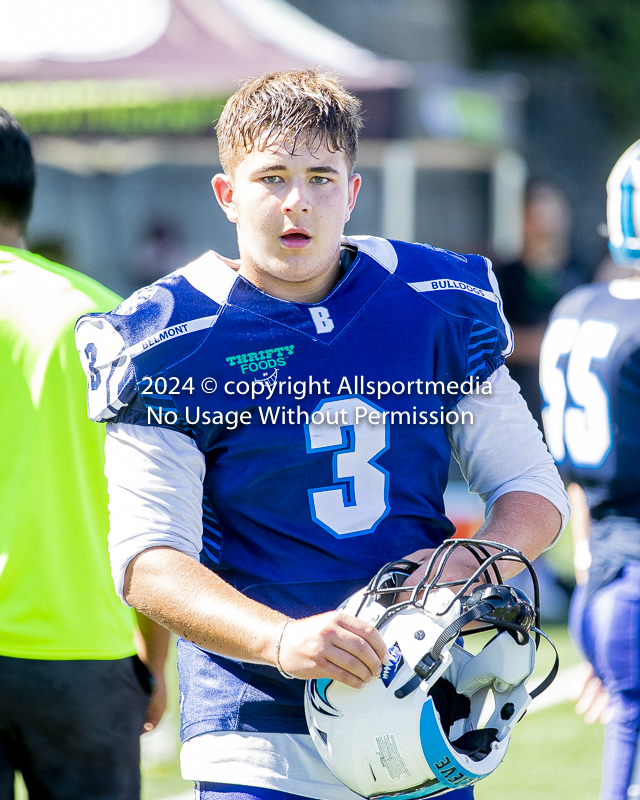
(359, 497)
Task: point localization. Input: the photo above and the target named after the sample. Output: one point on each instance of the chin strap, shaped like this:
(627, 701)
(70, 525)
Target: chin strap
(430, 662)
(546, 683)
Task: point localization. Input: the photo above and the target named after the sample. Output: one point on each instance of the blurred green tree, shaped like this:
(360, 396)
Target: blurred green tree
(598, 35)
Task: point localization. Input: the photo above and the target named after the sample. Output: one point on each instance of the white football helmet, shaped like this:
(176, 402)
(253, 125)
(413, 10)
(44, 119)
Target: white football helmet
(438, 718)
(623, 209)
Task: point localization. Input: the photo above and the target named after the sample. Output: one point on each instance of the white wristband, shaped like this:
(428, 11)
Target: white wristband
(277, 654)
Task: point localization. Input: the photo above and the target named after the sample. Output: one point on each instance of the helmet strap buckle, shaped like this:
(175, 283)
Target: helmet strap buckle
(427, 666)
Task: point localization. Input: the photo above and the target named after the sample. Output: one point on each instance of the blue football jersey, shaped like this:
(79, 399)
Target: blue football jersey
(590, 381)
(321, 425)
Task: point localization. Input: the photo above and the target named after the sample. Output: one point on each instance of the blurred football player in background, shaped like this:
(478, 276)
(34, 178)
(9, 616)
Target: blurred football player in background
(74, 696)
(590, 381)
(297, 513)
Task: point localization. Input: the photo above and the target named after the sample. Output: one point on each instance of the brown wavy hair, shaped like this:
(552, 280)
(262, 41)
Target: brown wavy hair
(300, 108)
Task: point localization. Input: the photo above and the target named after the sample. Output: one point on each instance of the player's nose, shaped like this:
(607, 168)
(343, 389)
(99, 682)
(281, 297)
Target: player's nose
(296, 200)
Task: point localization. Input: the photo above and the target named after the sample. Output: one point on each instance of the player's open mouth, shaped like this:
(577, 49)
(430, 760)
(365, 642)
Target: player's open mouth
(295, 240)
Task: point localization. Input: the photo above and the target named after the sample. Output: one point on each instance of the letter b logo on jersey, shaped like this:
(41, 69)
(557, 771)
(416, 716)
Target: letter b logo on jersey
(321, 319)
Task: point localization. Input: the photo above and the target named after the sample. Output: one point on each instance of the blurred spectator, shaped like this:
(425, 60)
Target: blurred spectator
(74, 696)
(161, 251)
(532, 285)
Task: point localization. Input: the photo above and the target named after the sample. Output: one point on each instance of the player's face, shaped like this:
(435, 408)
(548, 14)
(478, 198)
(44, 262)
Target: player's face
(290, 212)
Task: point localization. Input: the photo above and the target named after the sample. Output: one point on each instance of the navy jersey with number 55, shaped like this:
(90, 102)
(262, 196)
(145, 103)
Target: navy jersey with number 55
(590, 381)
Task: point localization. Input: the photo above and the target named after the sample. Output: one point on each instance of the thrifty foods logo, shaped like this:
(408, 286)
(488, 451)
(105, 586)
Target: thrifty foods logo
(262, 359)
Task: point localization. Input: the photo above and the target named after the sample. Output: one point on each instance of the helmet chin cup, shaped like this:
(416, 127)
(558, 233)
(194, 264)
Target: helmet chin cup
(439, 717)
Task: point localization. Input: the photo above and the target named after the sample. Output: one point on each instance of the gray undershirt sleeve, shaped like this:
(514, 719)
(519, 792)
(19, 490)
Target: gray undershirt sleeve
(502, 450)
(155, 480)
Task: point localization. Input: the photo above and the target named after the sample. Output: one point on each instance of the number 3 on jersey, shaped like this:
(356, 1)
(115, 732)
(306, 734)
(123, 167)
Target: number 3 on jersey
(577, 409)
(359, 498)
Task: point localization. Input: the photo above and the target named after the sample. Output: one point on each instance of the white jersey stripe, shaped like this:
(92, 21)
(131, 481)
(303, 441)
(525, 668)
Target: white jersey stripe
(171, 333)
(443, 284)
(498, 298)
(380, 250)
(210, 275)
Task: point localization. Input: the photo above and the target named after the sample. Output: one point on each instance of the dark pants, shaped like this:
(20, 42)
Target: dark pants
(72, 728)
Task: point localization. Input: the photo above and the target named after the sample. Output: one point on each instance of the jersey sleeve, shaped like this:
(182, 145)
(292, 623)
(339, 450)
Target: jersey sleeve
(155, 494)
(106, 352)
(111, 383)
(464, 287)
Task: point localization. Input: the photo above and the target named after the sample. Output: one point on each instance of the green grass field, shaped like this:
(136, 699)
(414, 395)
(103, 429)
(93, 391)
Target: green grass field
(553, 755)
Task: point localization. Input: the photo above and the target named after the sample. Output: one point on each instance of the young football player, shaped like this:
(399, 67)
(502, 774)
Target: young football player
(281, 425)
(74, 697)
(590, 380)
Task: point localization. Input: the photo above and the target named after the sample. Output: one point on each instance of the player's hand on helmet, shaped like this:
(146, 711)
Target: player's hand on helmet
(334, 645)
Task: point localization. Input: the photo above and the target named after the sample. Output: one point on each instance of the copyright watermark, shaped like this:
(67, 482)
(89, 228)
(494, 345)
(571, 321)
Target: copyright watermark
(209, 385)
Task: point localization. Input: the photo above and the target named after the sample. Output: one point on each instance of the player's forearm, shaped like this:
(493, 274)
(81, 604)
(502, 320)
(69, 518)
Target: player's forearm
(525, 521)
(152, 644)
(580, 521)
(580, 524)
(522, 520)
(193, 602)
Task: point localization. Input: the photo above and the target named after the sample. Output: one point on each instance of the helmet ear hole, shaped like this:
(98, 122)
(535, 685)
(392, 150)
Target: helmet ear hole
(476, 744)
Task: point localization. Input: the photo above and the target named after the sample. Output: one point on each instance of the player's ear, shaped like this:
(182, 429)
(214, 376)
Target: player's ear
(355, 182)
(223, 189)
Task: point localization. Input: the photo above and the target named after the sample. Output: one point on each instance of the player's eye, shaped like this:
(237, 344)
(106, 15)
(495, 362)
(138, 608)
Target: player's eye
(271, 179)
(319, 180)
